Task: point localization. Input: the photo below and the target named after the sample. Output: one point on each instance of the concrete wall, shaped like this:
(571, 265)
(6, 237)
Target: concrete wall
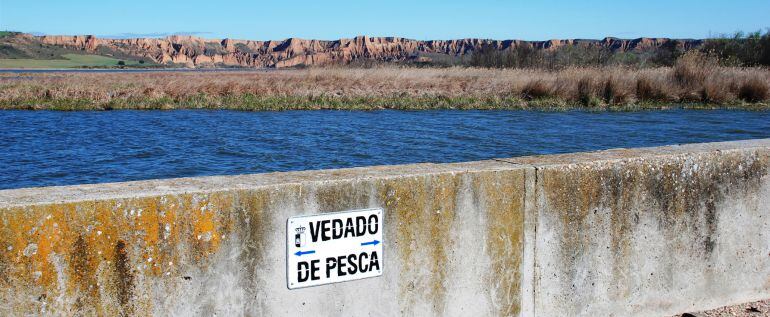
(626, 232)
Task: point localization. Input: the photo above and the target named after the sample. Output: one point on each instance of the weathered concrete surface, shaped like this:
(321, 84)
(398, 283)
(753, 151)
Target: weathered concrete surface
(623, 232)
(216, 245)
(651, 231)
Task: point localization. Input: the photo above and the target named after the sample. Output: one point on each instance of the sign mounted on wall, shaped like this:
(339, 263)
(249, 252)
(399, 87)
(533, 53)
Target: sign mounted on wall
(334, 247)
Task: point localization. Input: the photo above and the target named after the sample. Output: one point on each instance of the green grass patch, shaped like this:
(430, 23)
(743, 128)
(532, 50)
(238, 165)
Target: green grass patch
(69, 61)
(7, 33)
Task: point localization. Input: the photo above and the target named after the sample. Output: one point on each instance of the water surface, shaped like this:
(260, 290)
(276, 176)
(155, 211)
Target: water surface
(45, 148)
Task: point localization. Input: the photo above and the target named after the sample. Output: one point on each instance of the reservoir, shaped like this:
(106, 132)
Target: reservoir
(47, 148)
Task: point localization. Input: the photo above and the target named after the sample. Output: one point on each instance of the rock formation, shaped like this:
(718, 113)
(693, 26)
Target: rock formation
(198, 52)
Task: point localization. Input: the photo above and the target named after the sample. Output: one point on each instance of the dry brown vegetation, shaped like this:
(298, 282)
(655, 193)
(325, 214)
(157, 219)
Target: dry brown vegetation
(694, 81)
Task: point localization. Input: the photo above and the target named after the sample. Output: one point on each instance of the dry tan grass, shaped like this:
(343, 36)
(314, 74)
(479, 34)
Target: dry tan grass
(689, 81)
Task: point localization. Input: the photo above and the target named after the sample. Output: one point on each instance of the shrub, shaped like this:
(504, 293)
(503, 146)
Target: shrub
(536, 89)
(692, 69)
(649, 89)
(615, 91)
(741, 49)
(715, 92)
(609, 91)
(585, 90)
(753, 90)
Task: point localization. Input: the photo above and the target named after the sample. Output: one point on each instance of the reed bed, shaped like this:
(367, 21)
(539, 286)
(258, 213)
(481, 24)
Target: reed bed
(690, 83)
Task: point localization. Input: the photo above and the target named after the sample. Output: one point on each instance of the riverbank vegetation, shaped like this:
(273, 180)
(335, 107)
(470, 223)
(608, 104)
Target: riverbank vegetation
(695, 80)
(740, 50)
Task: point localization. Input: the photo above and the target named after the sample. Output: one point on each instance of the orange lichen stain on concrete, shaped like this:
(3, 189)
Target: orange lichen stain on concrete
(62, 247)
(34, 236)
(209, 223)
(35, 243)
(147, 225)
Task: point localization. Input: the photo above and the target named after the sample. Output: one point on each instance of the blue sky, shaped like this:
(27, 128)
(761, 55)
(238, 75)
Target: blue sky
(447, 19)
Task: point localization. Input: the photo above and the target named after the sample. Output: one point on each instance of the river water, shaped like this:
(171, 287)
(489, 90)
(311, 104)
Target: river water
(42, 148)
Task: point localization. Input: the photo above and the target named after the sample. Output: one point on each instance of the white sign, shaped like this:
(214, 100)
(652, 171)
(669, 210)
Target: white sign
(333, 247)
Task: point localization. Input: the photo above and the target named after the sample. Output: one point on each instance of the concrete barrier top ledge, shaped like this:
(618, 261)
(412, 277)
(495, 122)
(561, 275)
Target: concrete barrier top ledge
(147, 188)
(636, 153)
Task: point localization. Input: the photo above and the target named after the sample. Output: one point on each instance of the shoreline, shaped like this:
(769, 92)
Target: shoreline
(689, 84)
(248, 102)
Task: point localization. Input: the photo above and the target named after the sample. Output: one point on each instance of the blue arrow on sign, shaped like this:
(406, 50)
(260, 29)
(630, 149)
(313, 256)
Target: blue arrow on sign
(300, 253)
(374, 242)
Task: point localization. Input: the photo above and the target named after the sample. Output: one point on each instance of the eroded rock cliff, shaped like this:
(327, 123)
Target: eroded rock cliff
(198, 52)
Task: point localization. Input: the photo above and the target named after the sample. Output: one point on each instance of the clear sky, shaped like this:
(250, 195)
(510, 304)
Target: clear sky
(431, 19)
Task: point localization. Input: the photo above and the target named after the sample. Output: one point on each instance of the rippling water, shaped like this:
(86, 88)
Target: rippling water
(63, 148)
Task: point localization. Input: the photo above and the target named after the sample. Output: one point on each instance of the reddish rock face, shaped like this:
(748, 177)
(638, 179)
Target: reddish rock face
(196, 52)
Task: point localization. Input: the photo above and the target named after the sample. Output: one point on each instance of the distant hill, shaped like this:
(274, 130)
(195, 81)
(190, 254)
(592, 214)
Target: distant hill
(189, 51)
(19, 50)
